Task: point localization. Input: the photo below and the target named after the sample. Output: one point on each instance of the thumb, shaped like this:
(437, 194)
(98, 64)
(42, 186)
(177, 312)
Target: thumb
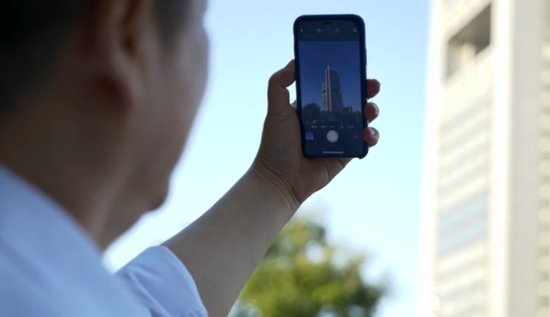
(277, 93)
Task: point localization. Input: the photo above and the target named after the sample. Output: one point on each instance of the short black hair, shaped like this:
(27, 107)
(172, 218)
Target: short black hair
(33, 31)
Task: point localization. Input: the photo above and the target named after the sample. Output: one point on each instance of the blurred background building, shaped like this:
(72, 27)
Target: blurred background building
(485, 242)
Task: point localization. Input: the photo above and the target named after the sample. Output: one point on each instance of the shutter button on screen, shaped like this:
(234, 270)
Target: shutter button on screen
(332, 136)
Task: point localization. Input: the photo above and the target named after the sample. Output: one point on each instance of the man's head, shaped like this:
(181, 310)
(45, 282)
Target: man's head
(97, 98)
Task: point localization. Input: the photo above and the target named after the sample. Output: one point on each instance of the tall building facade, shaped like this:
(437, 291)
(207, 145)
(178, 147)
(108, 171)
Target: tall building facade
(485, 244)
(332, 92)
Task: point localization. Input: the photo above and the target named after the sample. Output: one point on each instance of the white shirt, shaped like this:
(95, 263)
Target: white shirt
(50, 267)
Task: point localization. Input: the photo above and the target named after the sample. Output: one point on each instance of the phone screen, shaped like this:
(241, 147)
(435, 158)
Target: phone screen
(330, 82)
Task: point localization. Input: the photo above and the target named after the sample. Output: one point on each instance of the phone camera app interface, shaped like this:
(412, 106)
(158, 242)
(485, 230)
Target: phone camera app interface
(330, 87)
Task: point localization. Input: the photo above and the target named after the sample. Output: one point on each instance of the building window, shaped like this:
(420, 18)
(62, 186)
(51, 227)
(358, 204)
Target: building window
(473, 209)
(471, 40)
(460, 239)
(463, 174)
(462, 260)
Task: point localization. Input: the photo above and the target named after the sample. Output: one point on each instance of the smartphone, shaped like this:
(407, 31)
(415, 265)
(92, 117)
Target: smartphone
(331, 64)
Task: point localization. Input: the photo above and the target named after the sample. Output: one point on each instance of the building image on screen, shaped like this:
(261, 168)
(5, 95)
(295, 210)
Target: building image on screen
(332, 93)
(331, 98)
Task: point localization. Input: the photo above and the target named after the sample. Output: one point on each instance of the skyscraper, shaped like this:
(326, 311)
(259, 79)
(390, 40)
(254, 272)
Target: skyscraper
(332, 93)
(485, 242)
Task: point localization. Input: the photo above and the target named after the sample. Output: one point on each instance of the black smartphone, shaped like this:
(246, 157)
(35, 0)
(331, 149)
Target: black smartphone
(331, 65)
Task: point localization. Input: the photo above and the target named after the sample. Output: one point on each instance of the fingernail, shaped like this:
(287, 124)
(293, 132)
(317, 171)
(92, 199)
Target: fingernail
(376, 108)
(289, 64)
(373, 133)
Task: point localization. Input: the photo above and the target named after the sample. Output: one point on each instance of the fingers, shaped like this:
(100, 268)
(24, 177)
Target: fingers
(373, 88)
(371, 111)
(277, 92)
(371, 136)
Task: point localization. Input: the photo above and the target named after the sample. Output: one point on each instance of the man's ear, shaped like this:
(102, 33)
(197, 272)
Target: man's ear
(116, 34)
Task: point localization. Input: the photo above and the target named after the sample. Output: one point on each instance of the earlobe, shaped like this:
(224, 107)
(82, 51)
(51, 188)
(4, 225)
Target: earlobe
(114, 92)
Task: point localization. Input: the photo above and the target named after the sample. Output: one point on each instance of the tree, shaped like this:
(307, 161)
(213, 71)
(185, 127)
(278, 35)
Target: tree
(311, 107)
(311, 111)
(298, 277)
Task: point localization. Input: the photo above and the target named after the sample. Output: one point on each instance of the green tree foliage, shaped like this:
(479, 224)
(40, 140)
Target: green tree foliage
(298, 277)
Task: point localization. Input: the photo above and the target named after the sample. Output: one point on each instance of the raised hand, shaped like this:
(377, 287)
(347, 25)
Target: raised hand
(280, 156)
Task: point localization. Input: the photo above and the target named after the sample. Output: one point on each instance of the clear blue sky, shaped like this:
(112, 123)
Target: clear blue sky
(375, 203)
(342, 57)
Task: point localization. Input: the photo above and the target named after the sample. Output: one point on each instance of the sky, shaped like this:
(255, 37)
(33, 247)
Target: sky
(342, 57)
(373, 206)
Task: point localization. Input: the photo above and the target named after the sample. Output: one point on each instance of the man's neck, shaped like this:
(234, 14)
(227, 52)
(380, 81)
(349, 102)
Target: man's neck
(38, 152)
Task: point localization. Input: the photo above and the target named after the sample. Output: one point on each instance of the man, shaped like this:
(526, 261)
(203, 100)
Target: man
(96, 101)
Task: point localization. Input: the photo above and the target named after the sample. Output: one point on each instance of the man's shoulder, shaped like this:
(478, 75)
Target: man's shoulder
(163, 284)
(48, 263)
(15, 290)
(28, 292)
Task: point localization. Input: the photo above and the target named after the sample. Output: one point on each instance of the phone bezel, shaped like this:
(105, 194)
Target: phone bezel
(363, 56)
